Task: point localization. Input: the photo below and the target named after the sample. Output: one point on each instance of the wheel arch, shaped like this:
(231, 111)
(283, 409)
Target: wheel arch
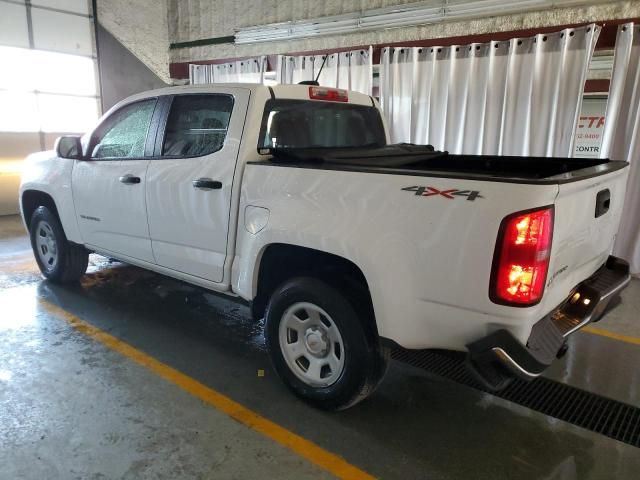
(279, 262)
(32, 199)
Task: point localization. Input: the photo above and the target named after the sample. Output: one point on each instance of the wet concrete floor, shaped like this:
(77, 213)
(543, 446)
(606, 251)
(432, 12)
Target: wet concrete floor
(71, 408)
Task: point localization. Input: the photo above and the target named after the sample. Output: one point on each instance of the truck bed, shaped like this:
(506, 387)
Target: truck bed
(423, 160)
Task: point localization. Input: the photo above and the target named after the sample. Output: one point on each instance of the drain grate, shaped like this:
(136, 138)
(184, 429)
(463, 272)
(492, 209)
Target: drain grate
(593, 412)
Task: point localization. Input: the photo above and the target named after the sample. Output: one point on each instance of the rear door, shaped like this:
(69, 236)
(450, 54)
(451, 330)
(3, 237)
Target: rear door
(108, 187)
(189, 181)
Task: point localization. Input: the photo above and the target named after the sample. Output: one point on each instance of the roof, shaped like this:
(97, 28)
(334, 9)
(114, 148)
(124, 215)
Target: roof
(300, 92)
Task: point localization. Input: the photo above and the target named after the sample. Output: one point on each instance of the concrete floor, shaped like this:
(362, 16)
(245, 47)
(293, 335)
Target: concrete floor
(72, 408)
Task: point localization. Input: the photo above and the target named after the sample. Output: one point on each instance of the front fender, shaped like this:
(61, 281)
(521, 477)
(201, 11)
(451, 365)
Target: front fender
(45, 172)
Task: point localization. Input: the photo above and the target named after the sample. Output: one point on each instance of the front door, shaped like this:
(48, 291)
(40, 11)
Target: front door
(189, 181)
(109, 187)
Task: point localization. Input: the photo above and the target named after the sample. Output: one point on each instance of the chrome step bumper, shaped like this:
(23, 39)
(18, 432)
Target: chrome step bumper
(498, 357)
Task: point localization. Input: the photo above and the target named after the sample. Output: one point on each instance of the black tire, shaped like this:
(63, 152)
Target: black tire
(71, 260)
(365, 361)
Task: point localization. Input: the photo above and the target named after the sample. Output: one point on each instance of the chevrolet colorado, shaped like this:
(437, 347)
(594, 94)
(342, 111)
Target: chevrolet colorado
(292, 199)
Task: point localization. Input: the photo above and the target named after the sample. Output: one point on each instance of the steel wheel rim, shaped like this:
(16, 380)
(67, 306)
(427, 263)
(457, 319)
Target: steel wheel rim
(311, 344)
(46, 245)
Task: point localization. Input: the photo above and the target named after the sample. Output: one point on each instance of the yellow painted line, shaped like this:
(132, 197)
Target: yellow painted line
(324, 459)
(613, 335)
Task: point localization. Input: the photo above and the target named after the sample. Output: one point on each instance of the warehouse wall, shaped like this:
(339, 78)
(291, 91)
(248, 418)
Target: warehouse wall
(121, 73)
(196, 19)
(14, 147)
(141, 26)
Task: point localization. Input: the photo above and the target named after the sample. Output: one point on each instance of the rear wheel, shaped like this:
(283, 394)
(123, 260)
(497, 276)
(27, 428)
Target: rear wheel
(58, 259)
(320, 346)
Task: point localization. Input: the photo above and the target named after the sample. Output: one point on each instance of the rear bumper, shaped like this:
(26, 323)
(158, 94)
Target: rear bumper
(499, 357)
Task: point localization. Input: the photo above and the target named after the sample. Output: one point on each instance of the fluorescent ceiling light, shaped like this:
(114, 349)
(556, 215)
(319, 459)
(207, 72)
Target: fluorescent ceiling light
(397, 19)
(413, 14)
(494, 7)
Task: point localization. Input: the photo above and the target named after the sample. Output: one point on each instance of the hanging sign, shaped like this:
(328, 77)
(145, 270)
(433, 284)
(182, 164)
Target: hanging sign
(590, 128)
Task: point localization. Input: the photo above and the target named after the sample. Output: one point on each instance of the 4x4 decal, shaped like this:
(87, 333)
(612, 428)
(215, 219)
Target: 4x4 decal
(451, 193)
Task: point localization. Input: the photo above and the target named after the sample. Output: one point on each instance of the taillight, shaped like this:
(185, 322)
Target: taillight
(521, 259)
(328, 94)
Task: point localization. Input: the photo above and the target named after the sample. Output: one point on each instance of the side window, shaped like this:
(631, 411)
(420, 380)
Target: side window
(124, 133)
(197, 125)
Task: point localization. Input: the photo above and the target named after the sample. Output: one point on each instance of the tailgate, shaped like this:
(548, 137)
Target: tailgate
(587, 214)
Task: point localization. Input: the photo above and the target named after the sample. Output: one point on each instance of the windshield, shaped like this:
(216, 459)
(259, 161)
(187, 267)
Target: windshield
(314, 124)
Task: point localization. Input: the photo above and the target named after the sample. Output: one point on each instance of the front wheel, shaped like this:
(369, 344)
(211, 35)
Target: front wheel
(58, 259)
(319, 345)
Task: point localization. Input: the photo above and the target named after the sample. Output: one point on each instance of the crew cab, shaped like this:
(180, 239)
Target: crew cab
(292, 198)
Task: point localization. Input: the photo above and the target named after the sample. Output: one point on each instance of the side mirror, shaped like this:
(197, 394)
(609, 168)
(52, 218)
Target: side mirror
(69, 146)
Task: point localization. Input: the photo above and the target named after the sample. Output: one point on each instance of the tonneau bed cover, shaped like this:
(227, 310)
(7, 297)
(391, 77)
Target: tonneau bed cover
(423, 160)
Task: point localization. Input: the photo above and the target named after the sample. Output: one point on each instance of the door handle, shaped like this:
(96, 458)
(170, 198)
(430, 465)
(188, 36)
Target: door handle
(206, 184)
(603, 202)
(130, 179)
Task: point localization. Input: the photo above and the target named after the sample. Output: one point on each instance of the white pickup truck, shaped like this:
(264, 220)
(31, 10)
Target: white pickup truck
(290, 198)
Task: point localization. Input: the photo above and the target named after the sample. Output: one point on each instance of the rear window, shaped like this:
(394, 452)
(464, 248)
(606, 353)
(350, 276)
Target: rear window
(317, 124)
(197, 125)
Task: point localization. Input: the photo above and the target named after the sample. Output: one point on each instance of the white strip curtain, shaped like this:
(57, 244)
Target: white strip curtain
(516, 97)
(295, 69)
(250, 70)
(349, 70)
(621, 138)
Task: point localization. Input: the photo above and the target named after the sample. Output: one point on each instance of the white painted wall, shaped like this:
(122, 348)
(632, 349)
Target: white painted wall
(197, 19)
